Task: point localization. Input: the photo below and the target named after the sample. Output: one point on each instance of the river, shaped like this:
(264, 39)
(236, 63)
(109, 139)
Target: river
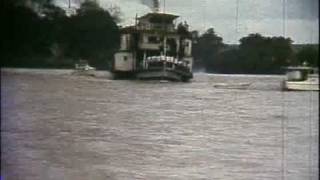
(59, 126)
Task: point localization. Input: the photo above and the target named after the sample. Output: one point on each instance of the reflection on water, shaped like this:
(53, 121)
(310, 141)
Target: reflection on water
(58, 126)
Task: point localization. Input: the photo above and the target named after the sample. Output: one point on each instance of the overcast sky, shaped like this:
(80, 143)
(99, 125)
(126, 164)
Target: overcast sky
(254, 16)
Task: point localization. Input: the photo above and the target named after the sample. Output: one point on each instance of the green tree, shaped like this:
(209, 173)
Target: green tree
(252, 50)
(183, 29)
(282, 51)
(28, 34)
(227, 62)
(22, 35)
(38, 34)
(256, 55)
(259, 54)
(91, 34)
(207, 48)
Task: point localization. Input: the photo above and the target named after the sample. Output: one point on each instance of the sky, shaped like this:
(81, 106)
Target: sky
(231, 22)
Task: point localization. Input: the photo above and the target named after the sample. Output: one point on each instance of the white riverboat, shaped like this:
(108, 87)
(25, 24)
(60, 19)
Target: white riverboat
(301, 78)
(154, 48)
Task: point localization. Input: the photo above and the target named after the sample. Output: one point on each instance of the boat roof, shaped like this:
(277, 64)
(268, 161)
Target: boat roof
(165, 16)
(127, 28)
(299, 68)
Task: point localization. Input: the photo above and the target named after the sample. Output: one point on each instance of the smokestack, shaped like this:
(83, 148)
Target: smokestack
(156, 5)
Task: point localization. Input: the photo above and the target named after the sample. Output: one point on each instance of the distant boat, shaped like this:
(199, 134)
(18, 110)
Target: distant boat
(301, 78)
(83, 68)
(232, 86)
(163, 81)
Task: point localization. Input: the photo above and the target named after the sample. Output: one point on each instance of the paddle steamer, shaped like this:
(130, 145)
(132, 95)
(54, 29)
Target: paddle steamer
(155, 48)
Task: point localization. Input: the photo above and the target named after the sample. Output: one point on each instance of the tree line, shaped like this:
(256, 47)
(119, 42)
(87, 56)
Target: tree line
(256, 54)
(38, 34)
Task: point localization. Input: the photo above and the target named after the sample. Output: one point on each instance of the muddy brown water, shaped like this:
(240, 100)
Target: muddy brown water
(59, 126)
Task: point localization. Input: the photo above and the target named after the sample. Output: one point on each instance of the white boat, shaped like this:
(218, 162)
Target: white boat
(232, 86)
(301, 78)
(83, 68)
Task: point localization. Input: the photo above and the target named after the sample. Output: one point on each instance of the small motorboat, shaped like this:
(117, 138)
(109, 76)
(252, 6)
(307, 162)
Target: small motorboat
(232, 86)
(301, 78)
(83, 68)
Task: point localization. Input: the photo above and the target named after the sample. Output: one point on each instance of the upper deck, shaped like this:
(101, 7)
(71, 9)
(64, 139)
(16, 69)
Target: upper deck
(157, 22)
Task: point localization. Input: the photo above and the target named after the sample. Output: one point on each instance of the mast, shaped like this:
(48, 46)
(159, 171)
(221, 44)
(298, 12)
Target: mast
(284, 13)
(237, 20)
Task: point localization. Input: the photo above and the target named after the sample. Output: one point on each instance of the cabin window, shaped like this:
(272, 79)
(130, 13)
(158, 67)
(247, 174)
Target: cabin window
(153, 39)
(125, 58)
